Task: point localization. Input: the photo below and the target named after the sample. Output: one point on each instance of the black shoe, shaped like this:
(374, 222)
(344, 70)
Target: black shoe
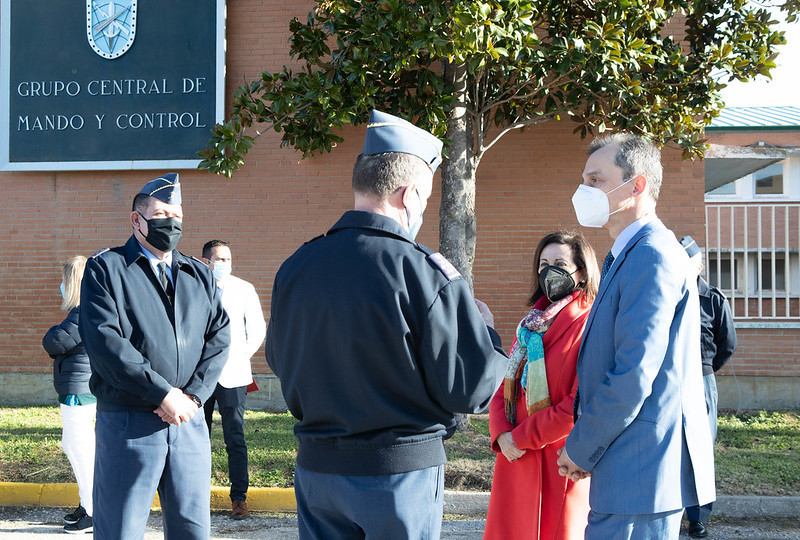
(83, 525)
(697, 529)
(75, 515)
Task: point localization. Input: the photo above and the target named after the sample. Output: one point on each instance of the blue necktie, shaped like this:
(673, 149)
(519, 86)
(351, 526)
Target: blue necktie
(607, 262)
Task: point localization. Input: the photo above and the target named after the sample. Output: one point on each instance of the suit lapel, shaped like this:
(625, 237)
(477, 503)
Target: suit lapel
(612, 272)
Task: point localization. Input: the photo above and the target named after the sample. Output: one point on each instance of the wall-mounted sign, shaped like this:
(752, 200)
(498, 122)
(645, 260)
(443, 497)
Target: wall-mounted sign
(109, 84)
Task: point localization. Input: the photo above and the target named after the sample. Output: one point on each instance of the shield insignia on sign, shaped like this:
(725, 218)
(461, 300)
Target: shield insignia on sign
(110, 26)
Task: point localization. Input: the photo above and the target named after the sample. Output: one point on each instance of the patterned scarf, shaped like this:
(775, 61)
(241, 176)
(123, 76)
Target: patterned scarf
(526, 361)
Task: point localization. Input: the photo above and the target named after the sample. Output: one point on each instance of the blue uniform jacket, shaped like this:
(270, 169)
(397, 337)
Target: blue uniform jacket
(138, 345)
(377, 342)
(717, 331)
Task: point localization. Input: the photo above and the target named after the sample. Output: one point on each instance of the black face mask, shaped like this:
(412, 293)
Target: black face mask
(556, 283)
(163, 233)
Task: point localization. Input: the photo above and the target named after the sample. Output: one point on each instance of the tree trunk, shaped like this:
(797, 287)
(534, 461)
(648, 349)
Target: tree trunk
(457, 225)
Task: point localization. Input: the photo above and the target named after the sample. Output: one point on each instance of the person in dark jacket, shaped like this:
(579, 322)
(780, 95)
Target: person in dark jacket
(71, 374)
(157, 338)
(377, 341)
(717, 345)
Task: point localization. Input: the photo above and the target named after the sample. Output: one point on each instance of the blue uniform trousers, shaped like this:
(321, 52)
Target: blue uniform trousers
(405, 506)
(701, 513)
(137, 454)
(662, 526)
(230, 402)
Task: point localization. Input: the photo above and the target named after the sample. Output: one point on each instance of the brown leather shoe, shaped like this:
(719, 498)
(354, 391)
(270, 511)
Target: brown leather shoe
(240, 510)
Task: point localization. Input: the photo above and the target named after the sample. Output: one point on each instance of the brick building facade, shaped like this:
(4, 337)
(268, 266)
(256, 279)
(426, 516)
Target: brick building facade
(277, 201)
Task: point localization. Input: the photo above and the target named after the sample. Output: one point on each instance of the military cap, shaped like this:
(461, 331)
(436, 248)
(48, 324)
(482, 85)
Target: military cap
(388, 133)
(690, 246)
(166, 188)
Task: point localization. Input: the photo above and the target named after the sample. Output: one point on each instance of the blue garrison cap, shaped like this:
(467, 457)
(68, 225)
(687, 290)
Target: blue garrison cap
(690, 246)
(166, 188)
(388, 133)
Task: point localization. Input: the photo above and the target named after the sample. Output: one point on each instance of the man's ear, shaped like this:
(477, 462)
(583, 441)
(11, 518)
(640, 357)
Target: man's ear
(409, 195)
(135, 217)
(639, 185)
(206, 261)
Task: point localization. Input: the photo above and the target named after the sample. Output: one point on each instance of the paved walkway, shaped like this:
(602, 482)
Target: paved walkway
(44, 523)
(36, 511)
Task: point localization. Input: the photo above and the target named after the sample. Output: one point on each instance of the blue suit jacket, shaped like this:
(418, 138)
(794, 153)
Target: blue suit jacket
(643, 432)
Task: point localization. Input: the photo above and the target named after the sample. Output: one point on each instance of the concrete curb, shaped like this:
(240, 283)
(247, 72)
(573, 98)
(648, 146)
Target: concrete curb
(466, 503)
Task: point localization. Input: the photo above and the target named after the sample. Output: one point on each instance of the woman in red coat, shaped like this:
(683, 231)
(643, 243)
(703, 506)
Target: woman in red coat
(531, 414)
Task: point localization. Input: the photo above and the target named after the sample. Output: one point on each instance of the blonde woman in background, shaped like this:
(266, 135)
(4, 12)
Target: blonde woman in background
(71, 374)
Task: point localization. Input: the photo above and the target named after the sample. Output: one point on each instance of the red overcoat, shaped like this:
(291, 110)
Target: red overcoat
(529, 499)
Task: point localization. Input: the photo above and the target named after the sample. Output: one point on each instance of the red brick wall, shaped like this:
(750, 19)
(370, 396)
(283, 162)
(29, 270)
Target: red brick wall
(277, 201)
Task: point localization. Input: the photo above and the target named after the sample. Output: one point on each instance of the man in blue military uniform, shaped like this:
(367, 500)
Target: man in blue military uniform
(377, 341)
(157, 338)
(717, 344)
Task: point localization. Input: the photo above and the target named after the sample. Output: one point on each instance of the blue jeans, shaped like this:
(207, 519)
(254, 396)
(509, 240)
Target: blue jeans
(138, 453)
(405, 506)
(230, 402)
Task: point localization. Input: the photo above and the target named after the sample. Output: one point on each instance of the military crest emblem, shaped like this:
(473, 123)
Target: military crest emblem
(111, 26)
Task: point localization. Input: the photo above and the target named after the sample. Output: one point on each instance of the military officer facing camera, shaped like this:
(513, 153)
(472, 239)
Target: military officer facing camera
(157, 338)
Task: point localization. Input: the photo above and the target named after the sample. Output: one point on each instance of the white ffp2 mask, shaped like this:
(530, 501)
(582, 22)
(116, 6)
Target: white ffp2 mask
(591, 205)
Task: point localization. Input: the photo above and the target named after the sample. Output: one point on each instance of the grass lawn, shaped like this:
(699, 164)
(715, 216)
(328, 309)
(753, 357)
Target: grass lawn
(756, 452)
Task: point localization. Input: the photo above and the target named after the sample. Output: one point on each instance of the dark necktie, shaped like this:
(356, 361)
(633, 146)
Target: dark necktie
(607, 262)
(164, 280)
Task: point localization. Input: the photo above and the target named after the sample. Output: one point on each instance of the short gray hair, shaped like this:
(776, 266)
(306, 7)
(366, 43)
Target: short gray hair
(380, 175)
(636, 155)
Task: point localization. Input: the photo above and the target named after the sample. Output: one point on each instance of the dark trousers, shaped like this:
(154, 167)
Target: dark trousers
(138, 453)
(702, 513)
(230, 402)
(405, 506)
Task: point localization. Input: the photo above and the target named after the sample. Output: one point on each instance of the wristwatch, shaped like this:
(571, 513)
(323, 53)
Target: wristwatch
(196, 400)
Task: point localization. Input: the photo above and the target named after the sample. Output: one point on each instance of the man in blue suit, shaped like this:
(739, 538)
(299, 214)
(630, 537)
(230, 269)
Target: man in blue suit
(641, 433)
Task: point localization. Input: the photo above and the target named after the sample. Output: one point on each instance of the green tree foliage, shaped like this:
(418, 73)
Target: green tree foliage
(472, 71)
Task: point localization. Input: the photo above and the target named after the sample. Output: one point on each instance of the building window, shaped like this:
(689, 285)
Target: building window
(722, 278)
(725, 189)
(769, 181)
(765, 274)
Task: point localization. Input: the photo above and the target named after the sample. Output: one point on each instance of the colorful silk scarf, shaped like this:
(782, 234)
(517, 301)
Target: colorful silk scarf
(526, 361)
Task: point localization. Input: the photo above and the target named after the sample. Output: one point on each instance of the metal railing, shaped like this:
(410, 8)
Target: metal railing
(752, 254)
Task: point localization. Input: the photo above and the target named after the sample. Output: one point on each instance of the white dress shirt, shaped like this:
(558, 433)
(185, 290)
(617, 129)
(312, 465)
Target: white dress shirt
(248, 330)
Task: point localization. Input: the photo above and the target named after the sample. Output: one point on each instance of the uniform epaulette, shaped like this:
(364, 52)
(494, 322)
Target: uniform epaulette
(445, 266)
(100, 252)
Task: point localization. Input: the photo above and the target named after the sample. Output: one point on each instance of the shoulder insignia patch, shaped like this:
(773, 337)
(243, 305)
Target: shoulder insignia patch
(444, 265)
(100, 252)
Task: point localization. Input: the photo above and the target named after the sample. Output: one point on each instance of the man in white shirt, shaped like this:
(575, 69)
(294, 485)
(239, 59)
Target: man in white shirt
(248, 329)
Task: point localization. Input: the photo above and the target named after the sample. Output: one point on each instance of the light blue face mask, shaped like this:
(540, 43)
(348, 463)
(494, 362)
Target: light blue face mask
(413, 228)
(61, 288)
(222, 269)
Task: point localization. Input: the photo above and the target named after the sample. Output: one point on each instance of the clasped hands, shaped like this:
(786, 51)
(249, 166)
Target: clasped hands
(568, 468)
(176, 407)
